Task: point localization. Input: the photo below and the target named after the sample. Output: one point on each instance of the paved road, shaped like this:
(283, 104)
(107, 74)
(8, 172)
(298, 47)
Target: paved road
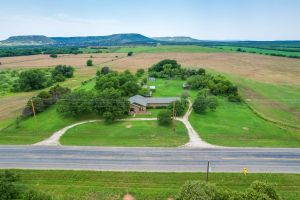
(150, 159)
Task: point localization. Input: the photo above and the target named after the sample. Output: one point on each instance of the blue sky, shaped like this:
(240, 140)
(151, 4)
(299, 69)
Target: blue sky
(202, 19)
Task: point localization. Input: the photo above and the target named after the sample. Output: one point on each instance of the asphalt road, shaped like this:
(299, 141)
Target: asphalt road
(150, 159)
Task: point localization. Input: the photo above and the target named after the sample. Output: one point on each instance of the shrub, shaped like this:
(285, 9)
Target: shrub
(200, 104)
(89, 63)
(212, 102)
(265, 189)
(63, 70)
(105, 70)
(140, 72)
(196, 190)
(53, 55)
(8, 189)
(130, 53)
(234, 98)
(164, 118)
(180, 107)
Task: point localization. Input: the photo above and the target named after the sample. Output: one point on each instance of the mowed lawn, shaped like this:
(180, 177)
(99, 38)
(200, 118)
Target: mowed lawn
(277, 102)
(78, 185)
(48, 122)
(173, 48)
(234, 124)
(126, 134)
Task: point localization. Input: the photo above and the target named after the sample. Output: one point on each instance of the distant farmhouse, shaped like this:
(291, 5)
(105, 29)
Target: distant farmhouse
(139, 104)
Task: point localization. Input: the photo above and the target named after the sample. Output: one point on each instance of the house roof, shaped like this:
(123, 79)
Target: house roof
(144, 101)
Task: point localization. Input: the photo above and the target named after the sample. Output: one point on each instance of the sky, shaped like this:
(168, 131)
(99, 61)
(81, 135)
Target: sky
(201, 19)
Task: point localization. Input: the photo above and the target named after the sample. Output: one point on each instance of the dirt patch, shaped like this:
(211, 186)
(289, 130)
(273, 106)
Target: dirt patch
(128, 197)
(128, 126)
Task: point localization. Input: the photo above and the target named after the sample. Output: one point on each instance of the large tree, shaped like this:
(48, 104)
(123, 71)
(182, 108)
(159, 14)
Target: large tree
(32, 80)
(111, 104)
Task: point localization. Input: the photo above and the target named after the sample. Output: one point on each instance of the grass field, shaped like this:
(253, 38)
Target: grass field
(48, 121)
(126, 134)
(163, 48)
(232, 124)
(78, 185)
(260, 50)
(235, 124)
(278, 102)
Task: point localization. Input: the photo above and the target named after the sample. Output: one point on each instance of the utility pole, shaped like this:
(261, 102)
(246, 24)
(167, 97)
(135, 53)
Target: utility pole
(173, 118)
(33, 110)
(207, 171)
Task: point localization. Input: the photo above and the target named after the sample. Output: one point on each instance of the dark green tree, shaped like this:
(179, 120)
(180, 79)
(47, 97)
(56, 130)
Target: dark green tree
(164, 118)
(200, 104)
(32, 80)
(89, 63)
(8, 189)
(110, 104)
(77, 103)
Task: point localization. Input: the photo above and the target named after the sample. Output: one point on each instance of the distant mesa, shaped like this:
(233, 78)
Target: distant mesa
(109, 40)
(177, 39)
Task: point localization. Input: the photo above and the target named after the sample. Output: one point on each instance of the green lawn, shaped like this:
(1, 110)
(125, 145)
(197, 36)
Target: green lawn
(169, 88)
(78, 185)
(234, 124)
(48, 121)
(277, 102)
(126, 134)
(167, 48)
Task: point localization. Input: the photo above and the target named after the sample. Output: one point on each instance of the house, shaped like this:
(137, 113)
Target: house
(139, 104)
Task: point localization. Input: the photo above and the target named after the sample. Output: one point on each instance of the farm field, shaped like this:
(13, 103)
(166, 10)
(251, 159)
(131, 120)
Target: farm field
(261, 50)
(126, 134)
(114, 185)
(12, 103)
(41, 61)
(166, 48)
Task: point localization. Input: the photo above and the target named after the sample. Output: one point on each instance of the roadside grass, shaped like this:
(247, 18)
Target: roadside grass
(234, 124)
(170, 48)
(126, 134)
(77, 185)
(49, 121)
(258, 50)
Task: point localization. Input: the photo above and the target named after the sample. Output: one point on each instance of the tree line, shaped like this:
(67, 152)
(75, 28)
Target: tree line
(34, 50)
(208, 86)
(109, 99)
(36, 79)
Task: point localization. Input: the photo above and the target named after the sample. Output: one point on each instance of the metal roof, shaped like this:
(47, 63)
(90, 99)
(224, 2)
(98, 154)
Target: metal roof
(144, 101)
